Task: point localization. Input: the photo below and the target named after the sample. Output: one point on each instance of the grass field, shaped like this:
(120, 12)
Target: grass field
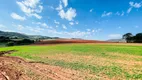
(110, 61)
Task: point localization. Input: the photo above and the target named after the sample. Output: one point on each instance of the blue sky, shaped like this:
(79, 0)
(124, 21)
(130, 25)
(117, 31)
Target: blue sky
(87, 19)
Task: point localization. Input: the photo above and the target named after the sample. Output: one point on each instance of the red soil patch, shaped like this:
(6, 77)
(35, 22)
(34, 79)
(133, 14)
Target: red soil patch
(66, 41)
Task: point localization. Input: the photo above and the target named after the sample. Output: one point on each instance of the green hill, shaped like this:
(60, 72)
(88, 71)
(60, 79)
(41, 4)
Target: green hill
(24, 36)
(13, 34)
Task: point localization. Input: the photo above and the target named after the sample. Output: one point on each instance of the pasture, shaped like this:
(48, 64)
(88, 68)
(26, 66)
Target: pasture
(94, 61)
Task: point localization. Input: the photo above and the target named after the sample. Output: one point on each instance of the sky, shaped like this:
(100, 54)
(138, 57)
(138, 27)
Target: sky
(87, 19)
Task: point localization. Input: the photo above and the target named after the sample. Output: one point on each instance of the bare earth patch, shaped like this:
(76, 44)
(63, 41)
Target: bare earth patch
(14, 68)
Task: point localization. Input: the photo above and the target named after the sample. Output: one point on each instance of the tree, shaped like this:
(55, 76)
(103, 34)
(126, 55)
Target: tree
(128, 37)
(27, 41)
(4, 39)
(138, 38)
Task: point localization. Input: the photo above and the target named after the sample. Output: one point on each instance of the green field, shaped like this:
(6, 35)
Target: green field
(103, 60)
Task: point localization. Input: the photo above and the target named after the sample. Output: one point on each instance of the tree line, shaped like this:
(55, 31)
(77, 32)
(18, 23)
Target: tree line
(130, 38)
(11, 42)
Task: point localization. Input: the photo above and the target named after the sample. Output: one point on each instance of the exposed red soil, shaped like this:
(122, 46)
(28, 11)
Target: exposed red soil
(66, 41)
(14, 68)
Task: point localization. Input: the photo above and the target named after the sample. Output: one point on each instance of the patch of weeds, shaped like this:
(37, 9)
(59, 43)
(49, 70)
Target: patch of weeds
(112, 71)
(103, 55)
(137, 76)
(138, 59)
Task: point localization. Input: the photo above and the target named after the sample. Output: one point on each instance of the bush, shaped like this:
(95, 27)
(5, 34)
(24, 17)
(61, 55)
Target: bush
(10, 44)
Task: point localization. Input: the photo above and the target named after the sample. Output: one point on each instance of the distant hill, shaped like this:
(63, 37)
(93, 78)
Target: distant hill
(38, 36)
(42, 37)
(116, 40)
(13, 34)
(19, 35)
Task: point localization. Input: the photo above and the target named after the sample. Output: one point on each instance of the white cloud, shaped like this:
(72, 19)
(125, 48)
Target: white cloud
(64, 27)
(57, 26)
(69, 15)
(35, 29)
(129, 10)
(42, 24)
(77, 22)
(2, 26)
(36, 15)
(91, 10)
(88, 30)
(71, 23)
(5, 28)
(94, 30)
(135, 5)
(60, 7)
(65, 3)
(78, 34)
(106, 14)
(51, 7)
(117, 13)
(17, 17)
(40, 9)
(31, 7)
(20, 27)
(122, 14)
(115, 36)
(31, 3)
(62, 14)
(56, 22)
(24, 8)
(32, 30)
(98, 30)
(74, 34)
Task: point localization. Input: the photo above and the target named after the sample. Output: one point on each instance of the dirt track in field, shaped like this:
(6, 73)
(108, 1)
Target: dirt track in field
(14, 68)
